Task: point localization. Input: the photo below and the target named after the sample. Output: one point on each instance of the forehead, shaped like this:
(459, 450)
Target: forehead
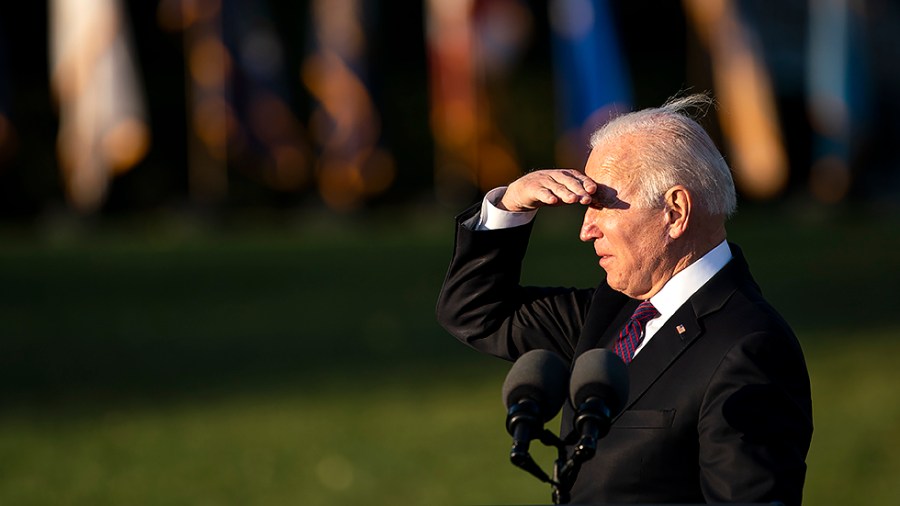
(611, 165)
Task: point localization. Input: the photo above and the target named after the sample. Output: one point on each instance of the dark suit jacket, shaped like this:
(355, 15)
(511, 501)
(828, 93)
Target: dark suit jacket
(719, 407)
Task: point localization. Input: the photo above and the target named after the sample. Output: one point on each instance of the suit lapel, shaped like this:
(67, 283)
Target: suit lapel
(606, 312)
(662, 350)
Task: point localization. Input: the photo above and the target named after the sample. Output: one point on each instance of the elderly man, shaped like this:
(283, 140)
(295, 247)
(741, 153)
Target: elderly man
(719, 407)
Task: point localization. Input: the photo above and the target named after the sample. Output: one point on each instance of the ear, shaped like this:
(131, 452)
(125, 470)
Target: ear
(678, 204)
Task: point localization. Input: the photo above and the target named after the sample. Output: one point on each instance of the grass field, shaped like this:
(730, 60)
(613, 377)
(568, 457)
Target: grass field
(299, 363)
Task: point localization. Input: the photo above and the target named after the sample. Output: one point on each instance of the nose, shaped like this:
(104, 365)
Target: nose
(590, 229)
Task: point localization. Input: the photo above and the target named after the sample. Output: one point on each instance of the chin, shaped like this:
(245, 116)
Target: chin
(614, 284)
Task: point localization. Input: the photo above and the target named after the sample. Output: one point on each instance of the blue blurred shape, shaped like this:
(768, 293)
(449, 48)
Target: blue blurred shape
(591, 75)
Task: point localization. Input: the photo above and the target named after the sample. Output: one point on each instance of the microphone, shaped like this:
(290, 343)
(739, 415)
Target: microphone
(533, 392)
(599, 391)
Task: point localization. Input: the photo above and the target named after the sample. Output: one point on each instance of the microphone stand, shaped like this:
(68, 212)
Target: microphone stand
(565, 468)
(593, 421)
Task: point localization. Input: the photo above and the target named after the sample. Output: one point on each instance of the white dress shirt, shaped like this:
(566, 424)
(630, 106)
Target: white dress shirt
(672, 295)
(682, 285)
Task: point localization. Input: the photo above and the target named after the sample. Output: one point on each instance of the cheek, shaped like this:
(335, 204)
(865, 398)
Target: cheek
(645, 251)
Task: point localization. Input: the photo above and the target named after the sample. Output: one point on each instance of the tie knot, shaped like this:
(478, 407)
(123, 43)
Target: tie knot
(645, 312)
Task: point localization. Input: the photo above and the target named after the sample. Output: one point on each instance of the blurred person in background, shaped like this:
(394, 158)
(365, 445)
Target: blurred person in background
(719, 408)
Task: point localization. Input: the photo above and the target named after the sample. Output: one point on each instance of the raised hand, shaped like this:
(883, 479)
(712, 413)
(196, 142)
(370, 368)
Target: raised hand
(548, 187)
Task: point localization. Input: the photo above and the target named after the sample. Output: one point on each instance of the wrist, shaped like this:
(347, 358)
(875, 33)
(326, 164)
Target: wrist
(494, 217)
(503, 202)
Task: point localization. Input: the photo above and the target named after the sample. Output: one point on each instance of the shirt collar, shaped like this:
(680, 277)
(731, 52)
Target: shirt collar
(687, 281)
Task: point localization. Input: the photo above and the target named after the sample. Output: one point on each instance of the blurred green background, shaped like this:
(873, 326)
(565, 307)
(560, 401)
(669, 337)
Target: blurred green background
(269, 344)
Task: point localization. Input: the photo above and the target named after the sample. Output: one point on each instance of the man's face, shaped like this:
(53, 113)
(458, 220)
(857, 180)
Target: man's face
(629, 240)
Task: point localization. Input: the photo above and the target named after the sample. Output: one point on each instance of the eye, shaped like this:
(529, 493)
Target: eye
(598, 204)
(601, 200)
(607, 198)
(606, 202)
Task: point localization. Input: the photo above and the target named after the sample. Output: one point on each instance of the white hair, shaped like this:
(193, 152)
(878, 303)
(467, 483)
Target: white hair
(674, 150)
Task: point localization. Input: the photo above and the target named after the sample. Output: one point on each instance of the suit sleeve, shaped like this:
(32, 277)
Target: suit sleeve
(755, 423)
(482, 304)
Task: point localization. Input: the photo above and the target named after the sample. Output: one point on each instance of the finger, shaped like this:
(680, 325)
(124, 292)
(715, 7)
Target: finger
(574, 188)
(573, 176)
(549, 190)
(589, 185)
(529, 196)
(547, 196)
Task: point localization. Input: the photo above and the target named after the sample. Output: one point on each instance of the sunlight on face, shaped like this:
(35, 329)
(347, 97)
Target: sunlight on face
(629, 240)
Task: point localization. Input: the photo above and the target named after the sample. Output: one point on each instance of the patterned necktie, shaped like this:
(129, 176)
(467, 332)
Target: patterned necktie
(633, 331)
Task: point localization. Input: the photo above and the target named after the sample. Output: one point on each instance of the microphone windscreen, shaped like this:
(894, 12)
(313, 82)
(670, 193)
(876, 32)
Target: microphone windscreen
(600, 373)
(539, 375)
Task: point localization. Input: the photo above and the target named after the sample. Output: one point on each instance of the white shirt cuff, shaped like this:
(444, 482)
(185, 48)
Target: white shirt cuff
(494, 218)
